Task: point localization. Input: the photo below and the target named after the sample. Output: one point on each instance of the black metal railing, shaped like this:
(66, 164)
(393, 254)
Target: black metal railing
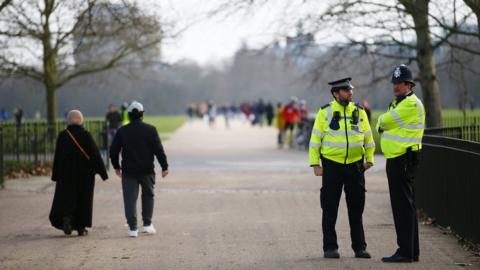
(1, 157)
(455, 121)
(34, 142)
(448, 183)
(468, 133)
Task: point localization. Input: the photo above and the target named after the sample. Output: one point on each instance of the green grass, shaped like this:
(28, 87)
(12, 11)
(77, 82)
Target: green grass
(166, 123)
(458, 113)
(163, 123)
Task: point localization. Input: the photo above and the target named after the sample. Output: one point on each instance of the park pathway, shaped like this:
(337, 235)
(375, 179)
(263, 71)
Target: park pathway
(232, 201)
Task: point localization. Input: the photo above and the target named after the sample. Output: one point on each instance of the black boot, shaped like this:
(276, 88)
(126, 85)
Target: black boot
(67, 225)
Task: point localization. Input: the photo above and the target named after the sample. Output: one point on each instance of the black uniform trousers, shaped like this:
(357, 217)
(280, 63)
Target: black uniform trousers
(335, 177)
(401, 174)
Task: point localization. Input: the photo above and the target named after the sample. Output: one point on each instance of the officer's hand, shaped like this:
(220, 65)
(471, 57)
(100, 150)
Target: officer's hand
(367, 165)
(164, 173)
(317, 170)
(118, 172)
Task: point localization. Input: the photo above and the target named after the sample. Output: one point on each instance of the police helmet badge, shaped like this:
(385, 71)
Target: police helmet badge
(402, 73)
(397, 72)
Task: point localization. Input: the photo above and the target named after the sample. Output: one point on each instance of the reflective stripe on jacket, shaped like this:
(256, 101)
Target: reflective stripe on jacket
(347, 144)
(402, 125)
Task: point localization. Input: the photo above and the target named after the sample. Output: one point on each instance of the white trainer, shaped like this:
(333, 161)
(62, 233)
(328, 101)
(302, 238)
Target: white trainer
(149, 229)
(133, 233)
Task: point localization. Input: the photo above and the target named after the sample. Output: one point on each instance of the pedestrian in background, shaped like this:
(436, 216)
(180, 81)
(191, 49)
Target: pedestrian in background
(4, 114)
(18, 114)
(291, 116)
(76, 161)
(139, 144)
(269, 111)
(114, 121)
(366, 107)
(280, 125)
(124, 113)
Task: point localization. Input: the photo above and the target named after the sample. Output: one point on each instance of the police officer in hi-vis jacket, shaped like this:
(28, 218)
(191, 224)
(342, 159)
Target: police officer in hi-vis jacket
(341, 149)
(401, 129)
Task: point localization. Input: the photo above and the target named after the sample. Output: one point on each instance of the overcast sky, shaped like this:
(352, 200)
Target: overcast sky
(210, 40)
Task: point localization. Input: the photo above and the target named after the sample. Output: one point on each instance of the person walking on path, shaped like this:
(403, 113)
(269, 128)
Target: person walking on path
(114, 121)
(401, 129)
(269, 111)
(342, 140)
(124, 113)
(139, 144)
(291, 116)
(18, 114)
(280, 125)
(76, 161)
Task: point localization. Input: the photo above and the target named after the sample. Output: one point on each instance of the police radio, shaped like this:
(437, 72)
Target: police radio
(355, 117)
(334, 124)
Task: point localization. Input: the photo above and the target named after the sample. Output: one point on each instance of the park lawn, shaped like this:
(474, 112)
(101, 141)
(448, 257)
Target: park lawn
(165, 123)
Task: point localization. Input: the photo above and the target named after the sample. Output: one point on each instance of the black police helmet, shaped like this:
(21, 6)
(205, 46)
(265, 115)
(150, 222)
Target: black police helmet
(402, 73)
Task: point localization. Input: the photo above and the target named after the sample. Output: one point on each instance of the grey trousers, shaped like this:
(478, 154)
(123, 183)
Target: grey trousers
(130, 186)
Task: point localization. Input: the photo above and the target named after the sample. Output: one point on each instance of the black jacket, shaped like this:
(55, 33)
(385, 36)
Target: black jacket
(139, 143)
(75, 177)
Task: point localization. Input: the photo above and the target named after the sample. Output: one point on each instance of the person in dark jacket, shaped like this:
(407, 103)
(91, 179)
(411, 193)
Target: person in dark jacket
(114, 119)
(75, 164)
(270, 113)
(139, 144)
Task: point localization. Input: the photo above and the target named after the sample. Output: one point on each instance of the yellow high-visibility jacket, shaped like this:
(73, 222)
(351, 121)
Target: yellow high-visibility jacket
(347, 144)
(279, 117)
(125, 119)
(402, 126)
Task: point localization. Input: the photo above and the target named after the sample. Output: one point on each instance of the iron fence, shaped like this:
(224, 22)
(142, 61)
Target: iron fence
(455, 121)
(468, 133)
(448, 183)
(34, 142)
(1, 156)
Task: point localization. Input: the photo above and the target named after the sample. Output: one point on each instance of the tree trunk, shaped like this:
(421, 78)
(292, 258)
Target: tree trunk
(49, 65)
(51, 103)
(426, 62)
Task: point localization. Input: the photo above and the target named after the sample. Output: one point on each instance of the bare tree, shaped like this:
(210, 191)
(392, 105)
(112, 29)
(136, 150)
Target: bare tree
(419, 12)
(475, 6)
(42, 39)
(406, 30)
(432, 29)
(4, 4)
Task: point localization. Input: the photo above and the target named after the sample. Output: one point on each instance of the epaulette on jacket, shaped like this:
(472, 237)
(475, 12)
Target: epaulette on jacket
(325, 106)
(359, 106)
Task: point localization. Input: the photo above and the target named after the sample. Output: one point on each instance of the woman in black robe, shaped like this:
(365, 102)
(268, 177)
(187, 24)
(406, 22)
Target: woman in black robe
(75, 164)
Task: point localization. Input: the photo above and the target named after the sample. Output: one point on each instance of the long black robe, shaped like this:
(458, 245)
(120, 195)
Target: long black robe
(75, 178)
